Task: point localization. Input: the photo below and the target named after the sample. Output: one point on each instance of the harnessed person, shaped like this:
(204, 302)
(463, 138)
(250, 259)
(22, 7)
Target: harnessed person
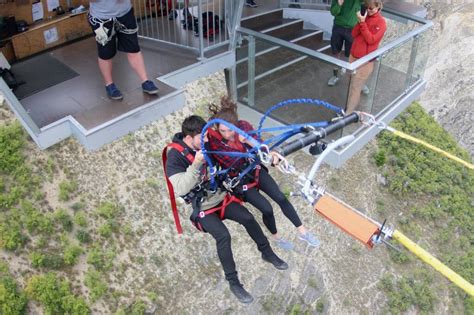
(226, 140)
(187, 172)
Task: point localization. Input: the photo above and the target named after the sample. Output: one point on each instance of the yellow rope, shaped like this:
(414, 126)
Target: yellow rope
(435, 263)
(429, 146)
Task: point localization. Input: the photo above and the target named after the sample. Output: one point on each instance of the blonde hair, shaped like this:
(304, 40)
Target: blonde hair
(377, 3)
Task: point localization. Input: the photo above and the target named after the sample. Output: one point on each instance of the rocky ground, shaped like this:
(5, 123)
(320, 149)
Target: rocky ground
(449, 96)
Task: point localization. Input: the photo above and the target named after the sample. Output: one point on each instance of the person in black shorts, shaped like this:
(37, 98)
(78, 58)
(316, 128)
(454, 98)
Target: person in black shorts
(114, 24)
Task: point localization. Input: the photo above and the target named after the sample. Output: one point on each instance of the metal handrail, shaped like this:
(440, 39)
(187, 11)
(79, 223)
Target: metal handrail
(335, 61)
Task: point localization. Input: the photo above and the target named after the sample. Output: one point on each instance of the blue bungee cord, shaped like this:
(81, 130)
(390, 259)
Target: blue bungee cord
(255, 153)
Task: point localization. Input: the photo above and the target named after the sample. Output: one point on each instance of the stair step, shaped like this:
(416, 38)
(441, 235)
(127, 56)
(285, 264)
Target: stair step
(256, 22)
(274, 56)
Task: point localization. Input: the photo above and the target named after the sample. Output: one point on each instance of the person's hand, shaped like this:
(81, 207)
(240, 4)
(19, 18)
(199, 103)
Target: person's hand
(275, 158)
(242, 139)
(340, 2)
(360, 17)
(199, 157)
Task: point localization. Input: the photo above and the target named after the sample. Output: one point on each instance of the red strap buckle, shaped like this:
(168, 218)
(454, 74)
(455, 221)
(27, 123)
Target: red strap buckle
(202, 214)
(245, 187)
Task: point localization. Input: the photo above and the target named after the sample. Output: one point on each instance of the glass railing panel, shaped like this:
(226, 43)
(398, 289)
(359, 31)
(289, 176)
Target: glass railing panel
(421, 56)
(283, 74)
(392, 76)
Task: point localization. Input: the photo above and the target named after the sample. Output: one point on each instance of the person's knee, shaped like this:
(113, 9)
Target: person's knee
(107, 55)
(222, 237)
(247, 219)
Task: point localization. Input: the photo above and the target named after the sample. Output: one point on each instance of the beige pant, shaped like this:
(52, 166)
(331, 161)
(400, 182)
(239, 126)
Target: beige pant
(357, 82)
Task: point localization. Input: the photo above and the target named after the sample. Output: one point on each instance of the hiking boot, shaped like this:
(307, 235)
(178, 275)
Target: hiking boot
(309, 238)
(251, 3)
(275, 261)
(240, 293)
(113, 92)
(149, 87)
(283, 244)
(365, 90)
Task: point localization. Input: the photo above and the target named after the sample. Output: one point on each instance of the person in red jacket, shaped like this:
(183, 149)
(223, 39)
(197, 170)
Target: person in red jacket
(257, 181)
(367, 34)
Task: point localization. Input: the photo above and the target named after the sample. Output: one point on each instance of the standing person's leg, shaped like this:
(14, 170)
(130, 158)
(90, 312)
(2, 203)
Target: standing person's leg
(214, 226)
(270, 187)
(128, 43)
(238, 213)
(255, 198)
(357, 83)
(337, 40)
(106, 49)
(105, 67)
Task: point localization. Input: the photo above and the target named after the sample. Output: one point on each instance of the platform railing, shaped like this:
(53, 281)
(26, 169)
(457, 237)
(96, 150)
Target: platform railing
(398, 67)
(198, 25)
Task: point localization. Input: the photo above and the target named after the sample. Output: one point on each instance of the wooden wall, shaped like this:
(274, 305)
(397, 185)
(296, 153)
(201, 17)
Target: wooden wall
(21, 9)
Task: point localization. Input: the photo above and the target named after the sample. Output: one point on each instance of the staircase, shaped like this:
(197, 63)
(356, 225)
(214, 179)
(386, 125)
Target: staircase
(281, 73)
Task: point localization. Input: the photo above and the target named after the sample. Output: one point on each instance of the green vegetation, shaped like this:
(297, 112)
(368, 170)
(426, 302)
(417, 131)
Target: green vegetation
(12, 301)
(108, 210)
(97, 287)
(443, 190)
(64, 219)
(404, 293)
(83, 236)
(80, 219)
(66, 189)
(55, 295)
(100, 259)
(71, 254)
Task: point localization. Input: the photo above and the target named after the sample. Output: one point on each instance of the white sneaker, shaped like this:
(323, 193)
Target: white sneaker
(333, 80)
(365, 90)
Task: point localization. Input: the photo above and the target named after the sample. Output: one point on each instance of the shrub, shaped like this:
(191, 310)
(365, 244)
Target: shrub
(11, 237)
(71, 254)
(11, 300)
(80, 218)
(83, 236)
(97, 287)
(55, 295)
(108, 210)
(99, 259)
(105, 230)
(62, 217)
(37, 259)
(35, 221)
(138, 308)
(66, 189)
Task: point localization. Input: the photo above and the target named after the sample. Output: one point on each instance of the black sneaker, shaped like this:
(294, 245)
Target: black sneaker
(275, 261)
(240, 293)
(251, 3)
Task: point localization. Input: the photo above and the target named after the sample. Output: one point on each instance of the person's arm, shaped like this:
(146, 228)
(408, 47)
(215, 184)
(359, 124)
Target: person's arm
(183, 178)
(356, 30)
(376, 35)
(336, 6)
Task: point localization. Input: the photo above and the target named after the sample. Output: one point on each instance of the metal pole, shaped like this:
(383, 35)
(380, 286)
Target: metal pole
(411, 64)
(201, 35)
(251, 72)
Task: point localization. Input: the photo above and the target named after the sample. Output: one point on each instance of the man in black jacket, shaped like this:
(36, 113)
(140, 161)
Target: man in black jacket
(186, 173)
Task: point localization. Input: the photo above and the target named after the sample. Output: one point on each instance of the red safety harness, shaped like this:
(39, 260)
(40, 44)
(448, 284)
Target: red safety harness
(221, 207)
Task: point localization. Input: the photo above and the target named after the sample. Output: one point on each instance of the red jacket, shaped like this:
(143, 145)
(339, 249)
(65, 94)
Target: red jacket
(367, 35)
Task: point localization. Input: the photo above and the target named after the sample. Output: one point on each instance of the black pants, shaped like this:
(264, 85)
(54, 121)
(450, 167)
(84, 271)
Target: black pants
(341, 35)
(214, 226)
(268, 185)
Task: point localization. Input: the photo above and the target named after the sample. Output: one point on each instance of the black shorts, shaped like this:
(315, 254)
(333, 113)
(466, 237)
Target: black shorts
(341, 35)
(124, 42)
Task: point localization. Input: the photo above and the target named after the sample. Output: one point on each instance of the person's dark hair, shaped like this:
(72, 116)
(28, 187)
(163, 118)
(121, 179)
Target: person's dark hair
(192, 125)
(226, 111)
